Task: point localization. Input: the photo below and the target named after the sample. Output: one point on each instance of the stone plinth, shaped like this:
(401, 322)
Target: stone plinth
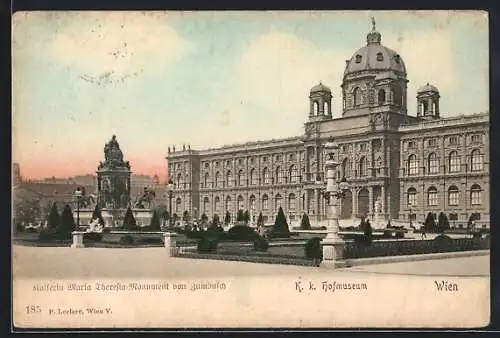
(333, 249)
(77, 239)
(170, 242)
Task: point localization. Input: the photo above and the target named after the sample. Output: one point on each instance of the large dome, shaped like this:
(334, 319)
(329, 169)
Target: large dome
(375, 56)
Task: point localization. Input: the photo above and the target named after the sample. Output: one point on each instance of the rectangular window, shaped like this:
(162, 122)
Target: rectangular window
(433, 165)
(475, 197)
(453, 140)
(412, 199)
(476, 138)
(265, 204)
(431, 142)
(413, 167)
(453, 217)
(432, 198)
(453, 197)
(362, 147)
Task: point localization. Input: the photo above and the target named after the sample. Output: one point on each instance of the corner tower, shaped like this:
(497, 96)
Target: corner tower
(428, 102)
(374, 79)
(320, 99)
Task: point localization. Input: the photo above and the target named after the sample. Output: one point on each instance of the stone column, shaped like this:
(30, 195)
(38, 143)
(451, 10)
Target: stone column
(315, 205)
(77, 239)
(429, 107)
(370, 190)
(383, 199)
(170, 243)
(354, 193)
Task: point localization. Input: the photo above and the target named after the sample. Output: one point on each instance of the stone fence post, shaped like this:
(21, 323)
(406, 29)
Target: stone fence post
(77, 239)
(170, 243)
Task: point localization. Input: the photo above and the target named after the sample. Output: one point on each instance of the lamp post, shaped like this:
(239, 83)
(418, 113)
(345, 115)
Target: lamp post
(333, 244)
(170, 192)
(78, 196)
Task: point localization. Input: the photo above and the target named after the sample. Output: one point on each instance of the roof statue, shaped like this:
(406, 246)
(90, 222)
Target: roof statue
(113, 156)
(373, 23)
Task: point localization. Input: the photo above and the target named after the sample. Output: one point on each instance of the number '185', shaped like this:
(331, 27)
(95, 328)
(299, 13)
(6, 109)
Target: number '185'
(33, 309)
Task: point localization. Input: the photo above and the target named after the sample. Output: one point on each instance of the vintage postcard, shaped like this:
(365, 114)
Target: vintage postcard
(274, 169)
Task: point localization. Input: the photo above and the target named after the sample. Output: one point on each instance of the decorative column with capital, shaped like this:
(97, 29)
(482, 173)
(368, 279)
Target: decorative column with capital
(332, 244)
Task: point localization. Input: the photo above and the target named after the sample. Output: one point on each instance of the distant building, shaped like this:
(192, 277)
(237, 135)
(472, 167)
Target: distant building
(16, 174)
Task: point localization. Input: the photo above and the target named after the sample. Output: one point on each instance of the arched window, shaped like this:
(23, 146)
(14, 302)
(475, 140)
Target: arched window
(476, 160)
(253, 177)
(265, 202)
(279, 175)
(316, 108)
(265, 175)
(218, 181)
(229, 205)
(453, 195)
(433, 163)
(205, 180)
(252, 202)
(292, 202)
(277, 201)
(397, 95)
(432, 196)
(380, 57)
(381, 97)
(293, 176)
(326, 111)
(454, 162)
(229, 179)
(178, 204)
(241, 178)
(412, 165)
(240, 203)
(205, 205)
(362, 166)
(475, 195)
(357, 96)
(412, 197)
(217, 204)
(346, 167)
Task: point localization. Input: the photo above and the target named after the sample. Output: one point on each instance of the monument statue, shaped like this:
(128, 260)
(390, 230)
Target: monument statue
(113, 177)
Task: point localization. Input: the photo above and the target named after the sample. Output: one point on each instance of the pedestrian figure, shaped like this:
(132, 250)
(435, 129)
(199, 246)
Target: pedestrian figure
(423, 234)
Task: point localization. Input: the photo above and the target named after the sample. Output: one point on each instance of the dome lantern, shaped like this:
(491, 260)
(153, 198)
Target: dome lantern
(374, 37)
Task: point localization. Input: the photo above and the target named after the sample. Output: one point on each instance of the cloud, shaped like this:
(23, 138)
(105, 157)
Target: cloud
(119, 43)
(428, 54)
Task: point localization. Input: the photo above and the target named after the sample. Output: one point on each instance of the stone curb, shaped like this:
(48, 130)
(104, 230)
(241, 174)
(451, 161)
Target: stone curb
(407, 258)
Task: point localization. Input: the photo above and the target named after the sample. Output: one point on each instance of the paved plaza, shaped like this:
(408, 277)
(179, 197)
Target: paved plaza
(60, 262)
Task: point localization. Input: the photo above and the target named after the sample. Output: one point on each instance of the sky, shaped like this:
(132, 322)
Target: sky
(158, 79)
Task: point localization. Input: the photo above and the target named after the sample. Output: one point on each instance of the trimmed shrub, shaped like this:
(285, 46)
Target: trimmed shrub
(313, 249)
(260, 244)
(304, 223)
(51, 234)
(126, 240)
(106, 230)
(207, 244)
(195, 234)
(242, 233)
(92, 237)
(149, 240)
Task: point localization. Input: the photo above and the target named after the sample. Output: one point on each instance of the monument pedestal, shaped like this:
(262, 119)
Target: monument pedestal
(77, 239)
(170, 243)
(333, 251)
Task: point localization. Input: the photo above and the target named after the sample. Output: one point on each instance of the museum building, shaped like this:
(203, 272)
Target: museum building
(413, 164)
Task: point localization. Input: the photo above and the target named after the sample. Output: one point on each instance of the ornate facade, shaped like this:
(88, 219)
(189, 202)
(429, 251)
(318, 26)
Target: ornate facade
(412, 164)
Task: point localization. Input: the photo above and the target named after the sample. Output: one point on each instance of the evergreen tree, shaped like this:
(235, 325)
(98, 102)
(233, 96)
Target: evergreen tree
(443, 223)
(367, 231)
(155, 221)
(129, 220)
(227, 218)
(67, 224)
(204, 218)
(304, 223)
(430, 222)
(239, 216)
(215, 221)
(175, 217)
(260, 220)
(246, 216)
(280, 223)
(54, 218)
(185, 216)
(97, 214)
